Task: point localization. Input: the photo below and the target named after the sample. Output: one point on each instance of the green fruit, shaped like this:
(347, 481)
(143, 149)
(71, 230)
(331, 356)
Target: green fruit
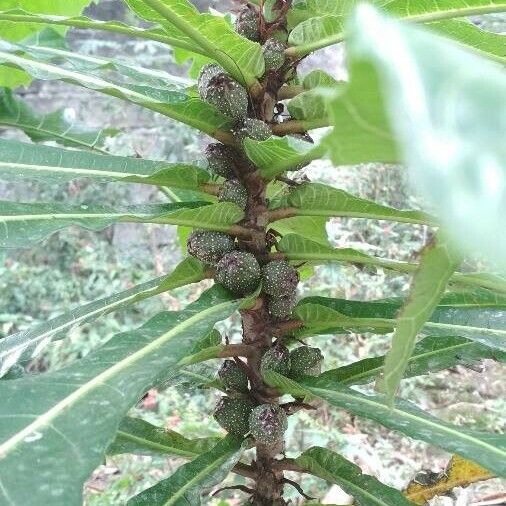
(253, 128)
(233, 191)
(227, 96)
(268, 423)
(279, 278)
(247, 24)
(207, 72)
(281, 308)
(208, 246)
(233, 377)
(306, 361)
(274, 54)
(276, 359)
(220, 159)
(239, 271)
(233, 415)
(271, 10)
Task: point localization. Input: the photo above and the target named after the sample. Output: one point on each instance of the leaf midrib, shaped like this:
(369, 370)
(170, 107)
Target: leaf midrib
(46, 419)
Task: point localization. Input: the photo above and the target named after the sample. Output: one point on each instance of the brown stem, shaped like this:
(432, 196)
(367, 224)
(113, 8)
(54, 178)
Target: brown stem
(244, 470)
(287, 92)
(280, 214)
(295, 126)
(284, 328)
(242, 488)
(237, 350)
(297, 487)
(239, 231)
(288, 465)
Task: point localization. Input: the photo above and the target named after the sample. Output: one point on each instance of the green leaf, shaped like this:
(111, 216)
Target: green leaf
(366, 490)
(20, 160)
(311, 227)
(456, 153)
(26, 345)
(20, 17)
(142, 438)
(241, 58)
(154, 90)
(327, 27)
(76, 410)
(315, 199)
(438, 262)
(26, 224)
(16, 31)
(431, 354)
(15, 113)
(308, 105)
(279, 154)
(186, 485)
(318, 78)
(479, 317)
(488, 450)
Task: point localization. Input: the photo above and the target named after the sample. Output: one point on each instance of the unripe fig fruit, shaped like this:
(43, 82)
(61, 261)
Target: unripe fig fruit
(268, 423)
(209, 246)
(233, 376)
(279, 278)
(239, 271)
(233, 191)
(306, 361)
(233, 415)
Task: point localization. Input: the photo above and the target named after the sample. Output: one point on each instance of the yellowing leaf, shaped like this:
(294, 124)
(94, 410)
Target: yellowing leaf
(459, 473)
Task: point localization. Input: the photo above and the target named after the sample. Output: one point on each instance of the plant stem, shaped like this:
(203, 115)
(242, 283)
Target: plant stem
(287, 92)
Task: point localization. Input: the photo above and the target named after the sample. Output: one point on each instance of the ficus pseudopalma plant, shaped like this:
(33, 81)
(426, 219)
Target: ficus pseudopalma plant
(433, 98)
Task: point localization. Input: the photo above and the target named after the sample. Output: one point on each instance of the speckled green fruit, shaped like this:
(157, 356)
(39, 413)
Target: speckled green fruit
(233, 415)
(207, 72)
(274, 54)
(239, 271)
(279, 278)
(233, 376)
(268, 423)
(247, 23)
(208, 246)
(233, 191)
(280, 308)
(254, 129)
(276, 359)
(220, 159)
(306, 361)
(227, 96)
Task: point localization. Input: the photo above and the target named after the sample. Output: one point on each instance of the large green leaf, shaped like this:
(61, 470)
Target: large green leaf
(154, 90)
(438, 262)
(456, 151)
(15, 113)
(315, 199)
(479, 317)
(20, 160)
(65, 420)
(488, 450)
(326, 28)
(332, 467)
(431, 354)
(27, 344)
(26, 224)
(242, 58)
(186, 485)
(20, 17)
(16, 31)
(142, 438)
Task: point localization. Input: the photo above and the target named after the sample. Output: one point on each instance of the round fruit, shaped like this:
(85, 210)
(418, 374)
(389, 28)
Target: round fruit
(233, 191)
(207, 72)
(268, 423)
(233, 415)
(281, 308)
(274, 54)
(209, 246)
(255, 129)
(306, 361)
(239, 271)
(227, 96)
(233, 376)
(276, 359)
(247, 23)
(279, 278)
(220, 159)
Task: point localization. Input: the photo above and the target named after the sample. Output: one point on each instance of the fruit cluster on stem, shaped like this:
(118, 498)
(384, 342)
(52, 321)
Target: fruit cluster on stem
(242, 263)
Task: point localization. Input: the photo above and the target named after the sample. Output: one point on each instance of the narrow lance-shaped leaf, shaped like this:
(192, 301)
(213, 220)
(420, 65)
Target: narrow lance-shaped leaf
(65, 420)
(456, 152)
(26, 224)
(488, 450)
(332, 467)
(431, 354)
(185, 486)
(26, 345)
(15, 113)
(438, 262)
(479, 317)
(137, 436)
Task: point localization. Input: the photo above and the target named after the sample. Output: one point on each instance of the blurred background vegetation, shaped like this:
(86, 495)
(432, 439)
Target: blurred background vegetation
(76, 266)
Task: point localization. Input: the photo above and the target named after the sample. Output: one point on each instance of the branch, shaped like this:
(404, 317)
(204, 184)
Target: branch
(242, 488)
(297, 487)
(237, 350)
(287, 327)
(282, 213)
(244, 470)
(299, 126)
(287, 92)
